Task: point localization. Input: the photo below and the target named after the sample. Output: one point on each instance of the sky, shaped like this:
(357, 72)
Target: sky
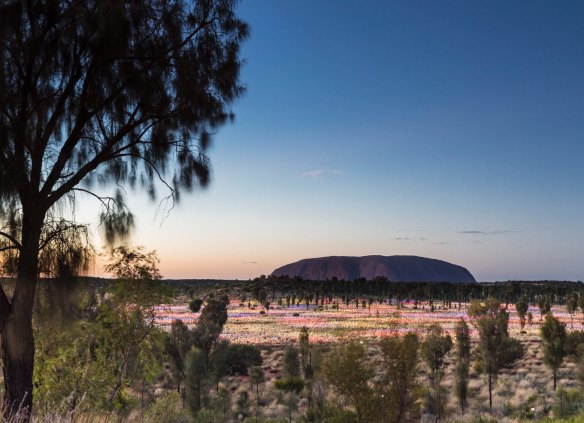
(452, 130)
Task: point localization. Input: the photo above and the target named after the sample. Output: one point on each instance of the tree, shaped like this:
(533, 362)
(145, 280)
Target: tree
(196, 373)
(304, 341)
(490, 307)
(126, 317)
(210, 325)
(91, 363)
(178, 344)
(400, 360)
(291, 365)
(553, 335)
(220, 365)
(108, 92)
(256, 379)
(434, 349)
(572, 305)
(495, 348)
(544, 305)
(522, 307)
(462, 333)
(581, 302)
(346, 368)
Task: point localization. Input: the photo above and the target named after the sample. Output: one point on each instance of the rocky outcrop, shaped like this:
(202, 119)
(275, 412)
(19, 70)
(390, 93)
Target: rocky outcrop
(394, 268)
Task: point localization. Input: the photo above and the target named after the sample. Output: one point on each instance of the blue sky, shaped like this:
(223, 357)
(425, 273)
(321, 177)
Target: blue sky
(448, 129)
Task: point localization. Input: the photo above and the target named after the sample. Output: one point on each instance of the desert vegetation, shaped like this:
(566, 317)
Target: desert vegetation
(137, 348)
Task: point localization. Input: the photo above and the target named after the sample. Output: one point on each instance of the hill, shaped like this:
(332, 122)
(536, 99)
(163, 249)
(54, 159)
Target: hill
(394, 268)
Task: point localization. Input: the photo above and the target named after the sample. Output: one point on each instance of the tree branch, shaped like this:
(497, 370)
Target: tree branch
(56, 233)
(11, 239)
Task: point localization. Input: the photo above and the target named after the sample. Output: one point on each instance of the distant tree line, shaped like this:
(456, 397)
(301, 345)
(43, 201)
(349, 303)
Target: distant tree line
(362, 292)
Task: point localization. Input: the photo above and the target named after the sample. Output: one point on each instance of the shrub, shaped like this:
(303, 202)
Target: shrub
(573, 339)
(242, 356)
(206, 416)
(195, 305)
(167, 409)
(568, 402)
(290, 384)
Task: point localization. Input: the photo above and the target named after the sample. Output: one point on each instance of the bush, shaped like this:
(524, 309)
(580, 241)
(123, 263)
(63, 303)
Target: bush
(574, 339)
(242, 356)
(167, 409)
(568, 402)
(512, 350)
(290, 384)
(329, 413)
(195, 305)
(206, 416)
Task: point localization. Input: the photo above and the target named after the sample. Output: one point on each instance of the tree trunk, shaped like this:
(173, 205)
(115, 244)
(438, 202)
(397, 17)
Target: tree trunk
(16, 326)
(17, 366)
(555, 376)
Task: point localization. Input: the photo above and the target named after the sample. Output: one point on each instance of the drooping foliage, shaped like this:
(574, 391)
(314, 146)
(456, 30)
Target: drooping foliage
(99, 92)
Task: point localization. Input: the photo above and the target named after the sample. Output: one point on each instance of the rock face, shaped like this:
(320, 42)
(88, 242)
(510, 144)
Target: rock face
(394, 268)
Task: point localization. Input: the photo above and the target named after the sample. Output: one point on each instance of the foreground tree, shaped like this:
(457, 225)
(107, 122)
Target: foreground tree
(90, 364)
(196, 375)
(553, 335)
(496, 349)
(434, 349)
(256, 378)
(400, 362)
(462, 334)
(102, 91)
(347, 369)
(177, 346)
(209, 327)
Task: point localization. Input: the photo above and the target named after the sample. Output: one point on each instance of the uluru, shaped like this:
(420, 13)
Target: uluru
(394, 268)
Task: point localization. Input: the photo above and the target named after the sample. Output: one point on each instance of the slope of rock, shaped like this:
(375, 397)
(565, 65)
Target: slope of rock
(394, 268)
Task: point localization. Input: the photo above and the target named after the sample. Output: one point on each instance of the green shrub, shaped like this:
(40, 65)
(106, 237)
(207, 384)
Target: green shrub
(242, 356)
(290, 384)
(568, 402)
(207, 416)
(167, 409)
(573, 339)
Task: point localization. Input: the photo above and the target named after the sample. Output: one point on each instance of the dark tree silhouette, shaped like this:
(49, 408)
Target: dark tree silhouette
(99, 91)
(209, 327)
(463, 344)
(522, 308)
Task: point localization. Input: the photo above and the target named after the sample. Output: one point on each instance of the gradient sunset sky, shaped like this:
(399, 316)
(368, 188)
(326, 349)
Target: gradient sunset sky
(445, 129)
